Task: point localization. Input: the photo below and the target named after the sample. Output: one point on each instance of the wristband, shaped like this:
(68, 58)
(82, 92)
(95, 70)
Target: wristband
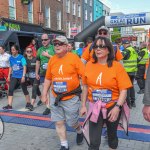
(119, 106)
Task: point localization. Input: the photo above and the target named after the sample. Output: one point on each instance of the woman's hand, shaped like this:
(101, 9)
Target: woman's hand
(113, 114)
(83, 111)
(22, 79)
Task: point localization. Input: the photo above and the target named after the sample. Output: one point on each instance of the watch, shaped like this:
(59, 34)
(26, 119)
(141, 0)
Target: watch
(119, 106)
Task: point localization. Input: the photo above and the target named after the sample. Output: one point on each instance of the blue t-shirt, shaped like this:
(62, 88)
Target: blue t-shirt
(79, 51)
(17, 63)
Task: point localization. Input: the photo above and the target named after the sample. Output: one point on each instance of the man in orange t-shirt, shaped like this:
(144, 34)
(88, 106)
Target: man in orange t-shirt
(63, 75)
(88, 52)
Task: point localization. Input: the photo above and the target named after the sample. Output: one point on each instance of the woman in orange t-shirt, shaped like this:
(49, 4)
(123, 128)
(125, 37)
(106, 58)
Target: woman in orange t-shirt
(105, 82)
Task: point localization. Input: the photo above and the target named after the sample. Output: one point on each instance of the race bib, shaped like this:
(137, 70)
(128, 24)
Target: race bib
(15, 67)
(60, 87)
(44, 66)
(32, 75)
(103, 95)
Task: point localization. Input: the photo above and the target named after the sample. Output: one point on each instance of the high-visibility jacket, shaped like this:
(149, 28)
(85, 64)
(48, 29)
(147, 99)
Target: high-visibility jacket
(145, 57)
(147, 63)
(130, 64)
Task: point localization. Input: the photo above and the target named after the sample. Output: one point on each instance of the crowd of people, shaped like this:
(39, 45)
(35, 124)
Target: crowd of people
(97, 74)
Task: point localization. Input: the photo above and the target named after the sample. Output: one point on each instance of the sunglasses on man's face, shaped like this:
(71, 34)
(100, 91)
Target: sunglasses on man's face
(44, 40)
(102, 33)
(100, 46)
(58, 44)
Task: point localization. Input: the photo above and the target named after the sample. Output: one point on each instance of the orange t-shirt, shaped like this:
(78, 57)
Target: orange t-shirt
(65, 73)
(98, 76)
(87, 55)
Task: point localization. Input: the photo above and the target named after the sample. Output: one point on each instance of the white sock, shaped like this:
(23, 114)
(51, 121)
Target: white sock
(79, 130)
(65, 144)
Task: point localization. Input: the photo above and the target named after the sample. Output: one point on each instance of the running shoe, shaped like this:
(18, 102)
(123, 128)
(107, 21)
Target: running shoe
(47, 111)
(8, 107)
(79, 138)
(64, 148)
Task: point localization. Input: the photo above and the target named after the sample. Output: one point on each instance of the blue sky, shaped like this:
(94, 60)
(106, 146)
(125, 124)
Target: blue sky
(128, 6)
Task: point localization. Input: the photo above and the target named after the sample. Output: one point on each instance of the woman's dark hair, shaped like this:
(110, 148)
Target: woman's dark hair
(16, 47)
(110, 49)
(2, 46)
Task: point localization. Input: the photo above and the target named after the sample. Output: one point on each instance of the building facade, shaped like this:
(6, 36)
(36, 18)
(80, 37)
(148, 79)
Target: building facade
(72, 14)
(97, 9)
(16, 10)
(52, 14)
(87, 12)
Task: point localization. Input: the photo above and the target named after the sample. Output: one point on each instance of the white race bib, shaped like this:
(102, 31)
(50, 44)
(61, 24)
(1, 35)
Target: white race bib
(60, 87)
(44, 66)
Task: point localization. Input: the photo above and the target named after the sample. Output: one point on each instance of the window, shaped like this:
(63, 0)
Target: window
(79, 11)
(68, 6)
(68, 29)
(12, 9)
(90, 2)
(85, 1)
(90, 16)
(47, 17)
(74, 25)
(59, 20)
(73, 8)
(30, 12)
(85, 14)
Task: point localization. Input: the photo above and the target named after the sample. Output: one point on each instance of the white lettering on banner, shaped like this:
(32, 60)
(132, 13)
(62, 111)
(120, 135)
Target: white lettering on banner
(127, 20)
(99, 78)
(60, 71)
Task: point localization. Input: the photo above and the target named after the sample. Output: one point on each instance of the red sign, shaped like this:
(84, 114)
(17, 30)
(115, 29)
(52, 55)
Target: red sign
(130, 38)
(74, 31)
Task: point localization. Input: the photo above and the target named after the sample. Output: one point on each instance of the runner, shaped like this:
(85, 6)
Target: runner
(17, 71)
(43, 55)
(105, 83)
(70, 48)
(63, 72)
(31, 77)
(88, 52)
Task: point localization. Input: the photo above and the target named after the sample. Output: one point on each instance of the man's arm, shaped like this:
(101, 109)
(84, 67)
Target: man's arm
(37, 68)
(146, 99)
(140, 56)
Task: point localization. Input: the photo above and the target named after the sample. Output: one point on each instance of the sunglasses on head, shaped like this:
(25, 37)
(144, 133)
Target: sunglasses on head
(102, 33)
(100, 46)
(29, 51)
(58, 43)
(44, 39)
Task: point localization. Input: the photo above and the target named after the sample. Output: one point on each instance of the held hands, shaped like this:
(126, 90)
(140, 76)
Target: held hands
(146, 113)
(37, 77)
(8, 79)
(83, 111)
(113, 114)
(44, 98)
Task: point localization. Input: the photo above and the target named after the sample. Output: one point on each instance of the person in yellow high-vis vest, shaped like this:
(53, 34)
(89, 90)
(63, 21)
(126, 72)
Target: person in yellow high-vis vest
(142, 59)
(130, 65)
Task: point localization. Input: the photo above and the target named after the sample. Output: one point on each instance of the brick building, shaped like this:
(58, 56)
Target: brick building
(72, 17)
(16, 10)
(52, 11)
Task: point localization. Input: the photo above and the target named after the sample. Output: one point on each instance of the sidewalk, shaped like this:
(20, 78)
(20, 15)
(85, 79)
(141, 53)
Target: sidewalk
(23, 137)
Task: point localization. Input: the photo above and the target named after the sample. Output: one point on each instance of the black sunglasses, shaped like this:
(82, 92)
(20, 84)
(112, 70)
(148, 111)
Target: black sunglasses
(44, 39)
(58, 43)
(29, 51)
(100, 46)
(102, 33)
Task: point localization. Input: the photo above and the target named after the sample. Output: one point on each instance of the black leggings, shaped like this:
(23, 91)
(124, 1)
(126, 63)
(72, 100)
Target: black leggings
(35, 87)
(13, 83)
(95, 131)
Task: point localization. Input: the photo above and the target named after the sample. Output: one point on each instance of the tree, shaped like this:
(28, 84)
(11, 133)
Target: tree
(115, 34)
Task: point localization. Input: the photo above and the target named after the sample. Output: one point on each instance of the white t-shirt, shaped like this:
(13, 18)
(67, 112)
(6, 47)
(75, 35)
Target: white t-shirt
(4, 60)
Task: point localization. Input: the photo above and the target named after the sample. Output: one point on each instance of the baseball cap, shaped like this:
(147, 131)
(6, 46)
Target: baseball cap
(103, 28)
(61, 38)
(125, 42)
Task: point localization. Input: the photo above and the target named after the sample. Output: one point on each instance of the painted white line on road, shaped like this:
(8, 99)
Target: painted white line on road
(23, 109)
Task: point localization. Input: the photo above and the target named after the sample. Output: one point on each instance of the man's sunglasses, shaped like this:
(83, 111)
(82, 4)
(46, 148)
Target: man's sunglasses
(102, 33)
(44, 39)
(100, 46)
(58, 43)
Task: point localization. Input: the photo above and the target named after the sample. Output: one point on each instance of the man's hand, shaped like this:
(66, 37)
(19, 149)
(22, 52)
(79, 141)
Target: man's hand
(44, 98)
(83, 111)
(146, 112)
